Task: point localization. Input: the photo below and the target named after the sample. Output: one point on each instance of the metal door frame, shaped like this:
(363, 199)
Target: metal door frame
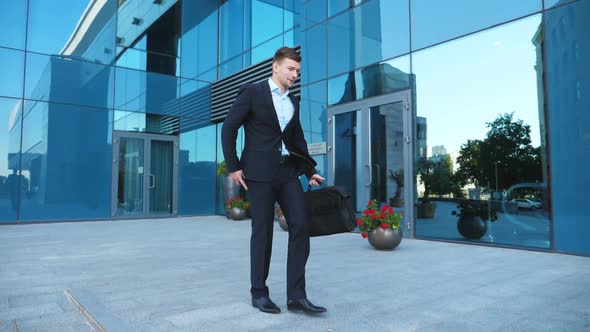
(147, 159)
(364, 107)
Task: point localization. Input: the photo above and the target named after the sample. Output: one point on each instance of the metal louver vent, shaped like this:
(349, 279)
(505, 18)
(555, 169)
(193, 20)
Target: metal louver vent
(224, 92)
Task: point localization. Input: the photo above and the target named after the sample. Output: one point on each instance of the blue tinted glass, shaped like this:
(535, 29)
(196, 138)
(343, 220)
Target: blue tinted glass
(66, 161)
(453, 18)
(313, 111)
(79, 29)
(56, 79)
(10, 181)
(132, 59)
(129, 121)
(491, 130)
(567, 68)
(369, 33)
(313, 54)
(12, 66)
(383, 78)
(551, 3)
(337, 6)
(266, 50)
(140, 91)
(341, 44)
(220, 209)
(292, 38)
(314, 12)
(230, 67)
(199, 36)
(195, 99)
(341, 89)
(292, 14)
(197, 169)
(149, 26)
(267, 20)
(13, 18)
(231, 29)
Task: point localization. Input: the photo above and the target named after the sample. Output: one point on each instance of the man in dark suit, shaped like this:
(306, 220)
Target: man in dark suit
(274, 156)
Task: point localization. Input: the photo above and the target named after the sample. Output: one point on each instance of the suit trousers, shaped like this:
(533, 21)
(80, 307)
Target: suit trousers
(285, 188)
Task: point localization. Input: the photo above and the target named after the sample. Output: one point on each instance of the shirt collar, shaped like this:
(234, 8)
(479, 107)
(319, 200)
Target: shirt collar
(274, 87)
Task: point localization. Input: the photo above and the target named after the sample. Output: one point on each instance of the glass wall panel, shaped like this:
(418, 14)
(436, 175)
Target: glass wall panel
(195, 99)
(197, 180)
(67, 157)
(152, 26)
(10, 179)
(80, 29)
(12, 66)
(199, 36)
(367, 34)
(377, 79)
(567, 69)
(267, 20)
(231, 29)
(383, 78)
(266, 50)
(129, 121)
(313, 112)
(231, 66)
(313, 54)
(292, 14)
(481, 141)
(435, 22)
(13, 18)
(140, 91)
(551, 3)
(341, 89)
(314, 11)
(338, 6)
(57, 79)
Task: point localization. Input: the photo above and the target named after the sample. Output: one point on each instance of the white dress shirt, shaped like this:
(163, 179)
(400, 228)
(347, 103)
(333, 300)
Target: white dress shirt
(283, 107)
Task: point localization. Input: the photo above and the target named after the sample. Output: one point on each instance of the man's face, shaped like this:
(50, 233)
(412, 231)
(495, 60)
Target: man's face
(286, 71)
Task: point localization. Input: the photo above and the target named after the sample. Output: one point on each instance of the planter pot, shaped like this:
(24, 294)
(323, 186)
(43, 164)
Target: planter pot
(385, 239)
(396, 202)
(230, 189)
(425, 210)
(237, 213)
(471, 227)
(283, 223)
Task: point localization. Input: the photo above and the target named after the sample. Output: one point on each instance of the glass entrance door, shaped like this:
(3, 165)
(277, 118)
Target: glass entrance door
(144, 175)
(369, 152)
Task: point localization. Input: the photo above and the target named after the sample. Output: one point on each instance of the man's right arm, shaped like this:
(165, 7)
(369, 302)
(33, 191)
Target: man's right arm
(229, 131)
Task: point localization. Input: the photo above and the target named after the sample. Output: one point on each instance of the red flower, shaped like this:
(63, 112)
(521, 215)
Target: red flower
(390, 210)
(382, 214)
(366, 212)
(384, 208)
(364, 235)
(374, 216)
(359, 221)
(384, 226)
(370, 203)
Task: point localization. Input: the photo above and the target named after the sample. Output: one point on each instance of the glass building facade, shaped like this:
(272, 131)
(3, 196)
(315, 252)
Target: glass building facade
(105, 108)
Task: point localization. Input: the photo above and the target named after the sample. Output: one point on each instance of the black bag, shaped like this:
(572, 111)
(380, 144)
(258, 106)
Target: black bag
(330, 211)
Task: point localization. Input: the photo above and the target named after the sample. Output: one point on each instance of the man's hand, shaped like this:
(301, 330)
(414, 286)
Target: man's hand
(316, 180)
(238, 177)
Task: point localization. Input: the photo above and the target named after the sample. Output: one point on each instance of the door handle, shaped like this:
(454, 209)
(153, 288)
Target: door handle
(370, 175)
(152, 181)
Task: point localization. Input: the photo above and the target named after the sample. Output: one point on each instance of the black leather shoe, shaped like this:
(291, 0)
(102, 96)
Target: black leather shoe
(264, 304)
(305, 305)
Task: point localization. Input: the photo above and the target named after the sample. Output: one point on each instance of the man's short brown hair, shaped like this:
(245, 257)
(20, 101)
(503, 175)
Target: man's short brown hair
(286, 52)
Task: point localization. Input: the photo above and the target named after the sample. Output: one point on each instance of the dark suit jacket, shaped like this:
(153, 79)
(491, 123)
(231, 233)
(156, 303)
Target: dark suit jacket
(254, 109)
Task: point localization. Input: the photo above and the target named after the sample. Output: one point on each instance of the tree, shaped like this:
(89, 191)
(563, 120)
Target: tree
(506, 149)
(441, 176)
